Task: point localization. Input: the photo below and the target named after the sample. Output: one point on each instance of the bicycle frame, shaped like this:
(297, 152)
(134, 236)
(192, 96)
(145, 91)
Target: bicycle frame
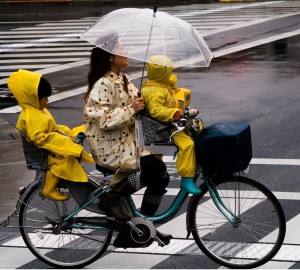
(160, 218)
(220, 204)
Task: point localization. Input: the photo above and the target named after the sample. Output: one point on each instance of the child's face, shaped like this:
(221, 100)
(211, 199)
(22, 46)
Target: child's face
(43, 103)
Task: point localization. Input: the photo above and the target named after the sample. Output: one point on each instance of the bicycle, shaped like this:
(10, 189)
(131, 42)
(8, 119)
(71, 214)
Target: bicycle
(236, 221)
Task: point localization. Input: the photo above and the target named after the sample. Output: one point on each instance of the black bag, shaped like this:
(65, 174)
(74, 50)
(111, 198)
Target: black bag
(224, 148)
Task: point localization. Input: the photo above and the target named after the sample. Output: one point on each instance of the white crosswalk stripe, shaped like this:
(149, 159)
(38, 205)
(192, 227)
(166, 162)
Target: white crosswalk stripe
(34, 43)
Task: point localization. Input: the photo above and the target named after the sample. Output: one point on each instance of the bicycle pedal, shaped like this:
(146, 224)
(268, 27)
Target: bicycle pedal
(159, 242)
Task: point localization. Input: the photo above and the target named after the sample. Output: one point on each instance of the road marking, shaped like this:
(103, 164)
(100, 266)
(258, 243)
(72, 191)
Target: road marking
(216, 55)
(255, 43)
(227, 8)
(21, 256)
(35, 55)
(52, 60)
(249, 23)
(89, 20)
(9, 47)
(256, 161)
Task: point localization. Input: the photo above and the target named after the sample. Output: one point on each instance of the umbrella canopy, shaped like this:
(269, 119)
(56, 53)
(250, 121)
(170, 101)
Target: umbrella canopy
(142, 33)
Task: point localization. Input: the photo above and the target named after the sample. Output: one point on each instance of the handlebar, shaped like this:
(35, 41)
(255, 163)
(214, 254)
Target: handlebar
(179, 125)
(191, 124)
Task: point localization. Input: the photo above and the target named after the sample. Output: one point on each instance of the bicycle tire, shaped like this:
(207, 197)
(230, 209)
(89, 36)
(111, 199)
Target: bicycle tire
(70, 248)
(259, 234)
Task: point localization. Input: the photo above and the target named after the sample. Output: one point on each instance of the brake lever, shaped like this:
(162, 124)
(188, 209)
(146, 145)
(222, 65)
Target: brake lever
(180, 125)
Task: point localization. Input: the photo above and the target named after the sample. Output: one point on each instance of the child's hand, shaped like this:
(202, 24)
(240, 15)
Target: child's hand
(178, 115)
(138, 105)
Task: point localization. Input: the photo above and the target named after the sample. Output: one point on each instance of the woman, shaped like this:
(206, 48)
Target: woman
(109, 116)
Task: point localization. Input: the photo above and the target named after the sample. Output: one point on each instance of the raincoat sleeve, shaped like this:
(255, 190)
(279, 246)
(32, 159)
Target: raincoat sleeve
(40, 129)
(101, 107)
(155, 101)
(71, 132)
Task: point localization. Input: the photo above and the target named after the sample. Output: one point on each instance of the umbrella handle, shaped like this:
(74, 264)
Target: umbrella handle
(150, 34)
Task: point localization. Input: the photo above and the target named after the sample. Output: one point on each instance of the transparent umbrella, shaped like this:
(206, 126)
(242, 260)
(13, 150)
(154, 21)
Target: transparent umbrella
(142, 33)
(146, 32)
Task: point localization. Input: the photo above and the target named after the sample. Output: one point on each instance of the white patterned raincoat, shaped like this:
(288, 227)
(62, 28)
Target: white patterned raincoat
(109, 124)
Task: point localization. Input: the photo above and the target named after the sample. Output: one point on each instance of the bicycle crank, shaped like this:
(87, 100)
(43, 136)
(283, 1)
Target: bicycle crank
(142, 230)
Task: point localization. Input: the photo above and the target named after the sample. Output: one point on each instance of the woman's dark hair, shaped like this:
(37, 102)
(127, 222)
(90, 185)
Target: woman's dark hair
(99, 66)
(44, 88)
(100, 60)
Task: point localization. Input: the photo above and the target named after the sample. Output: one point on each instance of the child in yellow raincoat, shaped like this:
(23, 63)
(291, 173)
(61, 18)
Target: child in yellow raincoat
(32, 91)
(162, 104)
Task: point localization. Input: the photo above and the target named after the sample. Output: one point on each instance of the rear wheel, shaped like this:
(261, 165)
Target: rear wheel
(258, 234)
(66, 248)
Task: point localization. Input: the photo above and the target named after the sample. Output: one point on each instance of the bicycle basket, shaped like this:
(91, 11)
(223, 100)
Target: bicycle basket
(149, 127)
(35, 157)
(224, 148)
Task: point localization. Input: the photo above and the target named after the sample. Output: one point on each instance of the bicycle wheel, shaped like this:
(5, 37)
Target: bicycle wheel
(261, 226)
(68, 248)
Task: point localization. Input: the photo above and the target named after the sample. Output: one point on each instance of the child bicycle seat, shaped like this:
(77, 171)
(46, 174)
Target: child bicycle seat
(36, 158)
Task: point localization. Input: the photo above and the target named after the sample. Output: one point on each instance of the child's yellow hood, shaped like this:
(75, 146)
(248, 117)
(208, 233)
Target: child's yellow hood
(24, 85)
(159, 69)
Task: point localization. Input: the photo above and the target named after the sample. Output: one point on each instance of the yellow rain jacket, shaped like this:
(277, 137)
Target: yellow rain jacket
(182, 95)
(41, 128)
(162, 104)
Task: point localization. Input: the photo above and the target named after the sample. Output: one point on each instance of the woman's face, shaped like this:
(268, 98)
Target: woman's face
(119, 61)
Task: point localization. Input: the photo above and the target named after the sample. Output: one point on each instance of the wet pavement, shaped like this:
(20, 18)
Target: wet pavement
(13, 171)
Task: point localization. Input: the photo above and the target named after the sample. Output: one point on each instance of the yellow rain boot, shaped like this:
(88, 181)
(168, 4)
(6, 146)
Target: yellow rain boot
(49, 189)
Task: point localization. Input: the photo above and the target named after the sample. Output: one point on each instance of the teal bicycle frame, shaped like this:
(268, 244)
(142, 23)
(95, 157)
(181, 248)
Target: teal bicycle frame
(163, 217)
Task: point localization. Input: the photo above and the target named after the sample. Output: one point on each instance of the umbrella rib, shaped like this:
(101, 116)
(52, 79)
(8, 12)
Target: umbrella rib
(175, 38)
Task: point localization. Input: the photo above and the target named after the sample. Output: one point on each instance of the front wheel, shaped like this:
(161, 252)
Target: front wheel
(66, 248)
(256, 236)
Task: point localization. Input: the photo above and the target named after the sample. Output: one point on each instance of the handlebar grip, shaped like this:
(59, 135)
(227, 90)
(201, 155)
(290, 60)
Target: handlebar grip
(164, 128)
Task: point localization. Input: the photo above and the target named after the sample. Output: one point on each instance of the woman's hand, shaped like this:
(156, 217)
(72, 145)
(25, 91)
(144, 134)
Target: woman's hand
(138, 105)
